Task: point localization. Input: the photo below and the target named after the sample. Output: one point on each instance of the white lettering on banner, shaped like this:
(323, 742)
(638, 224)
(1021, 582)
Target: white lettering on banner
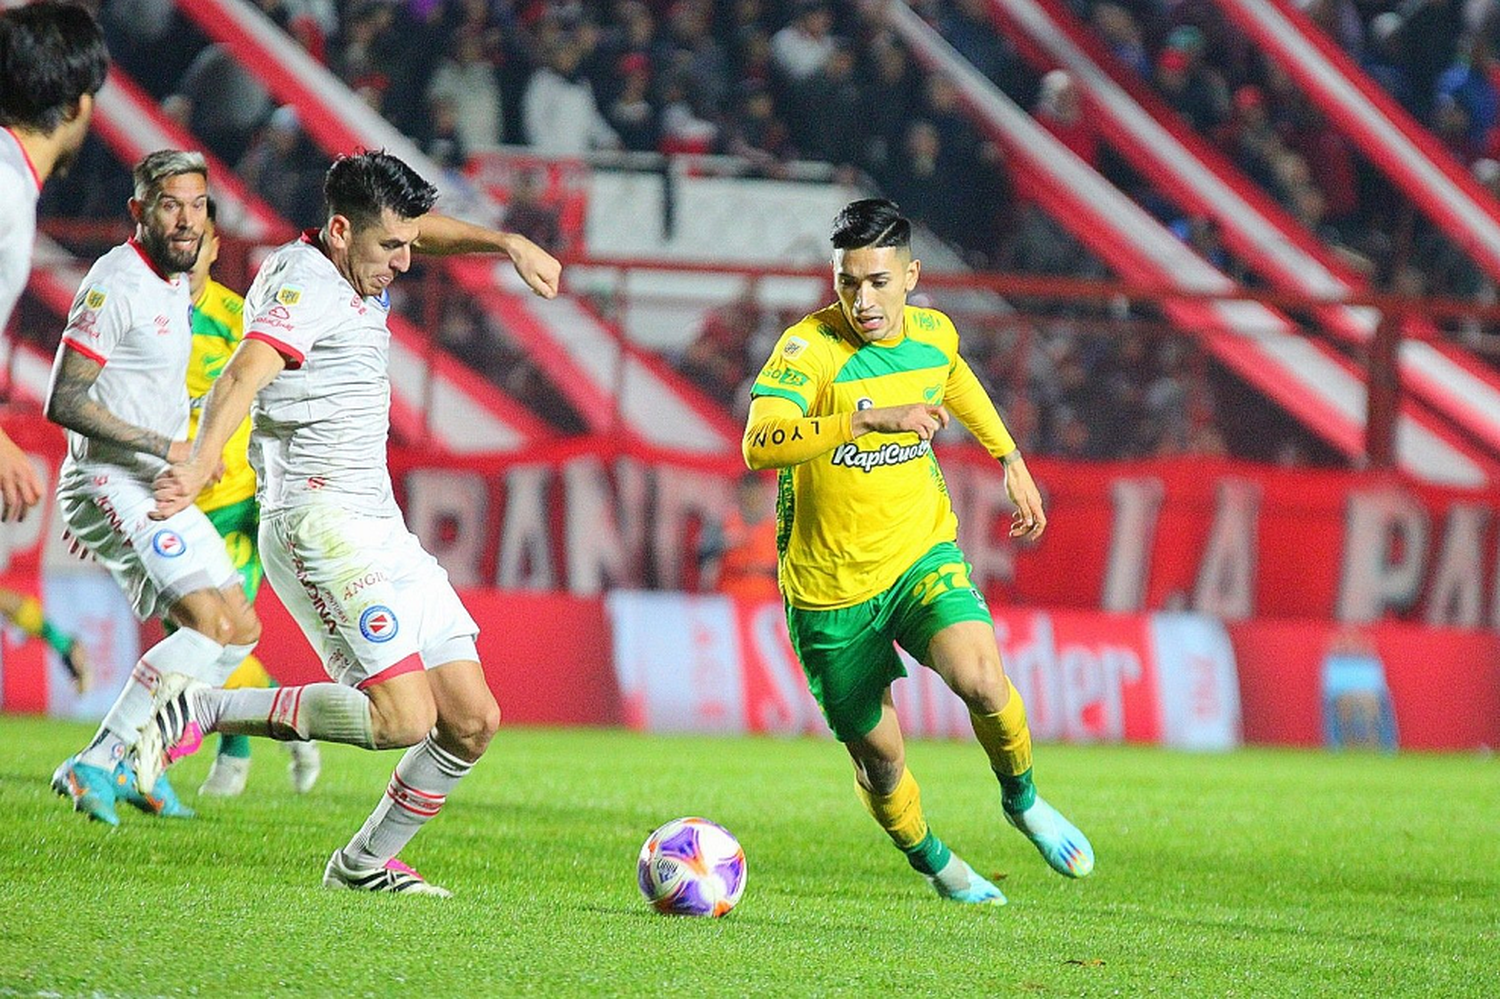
(604, 527)
(983, 510)
(1137, 504)
(447, 512)
(1385, 546)
(1073, 691)
(682, 496)
(1455, 597)
(1226, 574)
(793, 711)
(526, 538)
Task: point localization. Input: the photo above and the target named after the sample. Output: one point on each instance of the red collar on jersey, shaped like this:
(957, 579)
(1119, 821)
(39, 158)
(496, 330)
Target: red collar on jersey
(147, 257)
(27, 157)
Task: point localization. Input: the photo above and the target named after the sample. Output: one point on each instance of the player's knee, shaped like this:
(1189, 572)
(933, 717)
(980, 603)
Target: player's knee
(470, 732)
(981, 684)
(395, 727)
(246, 627)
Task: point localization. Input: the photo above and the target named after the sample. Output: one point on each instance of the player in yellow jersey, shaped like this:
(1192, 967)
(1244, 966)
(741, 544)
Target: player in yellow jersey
(218, 327)
(846, 408)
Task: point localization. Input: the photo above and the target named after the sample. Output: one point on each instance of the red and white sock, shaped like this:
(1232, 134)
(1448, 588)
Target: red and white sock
(416, 792)
(330, 712)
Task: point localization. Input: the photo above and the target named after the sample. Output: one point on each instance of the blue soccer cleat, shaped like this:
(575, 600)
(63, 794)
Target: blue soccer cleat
(958, 882)
(1060, 843)
(91, 789)
(161, 801)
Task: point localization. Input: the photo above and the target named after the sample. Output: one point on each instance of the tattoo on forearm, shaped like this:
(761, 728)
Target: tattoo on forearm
(70, 406)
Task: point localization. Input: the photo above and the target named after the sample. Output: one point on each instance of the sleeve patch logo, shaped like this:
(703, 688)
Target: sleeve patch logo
(794, 346)
(289, 294)
(94, 298)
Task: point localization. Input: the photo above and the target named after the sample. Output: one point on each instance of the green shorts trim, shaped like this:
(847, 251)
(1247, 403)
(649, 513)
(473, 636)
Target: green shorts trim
(239, 525)
(847, 655)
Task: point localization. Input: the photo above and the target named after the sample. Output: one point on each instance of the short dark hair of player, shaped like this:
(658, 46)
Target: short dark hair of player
(51, 54)
(870, 222)
(359, 187)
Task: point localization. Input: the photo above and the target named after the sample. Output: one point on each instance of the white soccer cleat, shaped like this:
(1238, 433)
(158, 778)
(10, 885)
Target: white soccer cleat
(393, 877)
(958, 882)
(172, 731)
(1066, 850)
(306, 765)
(226, 777)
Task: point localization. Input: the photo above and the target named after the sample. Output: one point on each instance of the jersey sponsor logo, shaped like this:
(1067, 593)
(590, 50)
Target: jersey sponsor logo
(892, 453)
(378, 624)
(277, 316)
(164, 325)
(786, 376)
(289, 294)
(926, 320)
(932, 394)
(794, 346)
(94, 298)
(168, 544)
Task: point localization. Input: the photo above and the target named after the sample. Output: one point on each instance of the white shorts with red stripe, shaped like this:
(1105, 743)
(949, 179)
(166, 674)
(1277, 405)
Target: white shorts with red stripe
(371, 600)
(156, 563)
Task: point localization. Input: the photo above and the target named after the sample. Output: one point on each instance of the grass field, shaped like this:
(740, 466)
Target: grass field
(1262, 873)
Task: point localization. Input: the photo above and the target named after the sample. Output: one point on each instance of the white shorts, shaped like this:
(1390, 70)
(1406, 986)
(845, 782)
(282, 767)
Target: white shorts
(370, 599)
(156, 563)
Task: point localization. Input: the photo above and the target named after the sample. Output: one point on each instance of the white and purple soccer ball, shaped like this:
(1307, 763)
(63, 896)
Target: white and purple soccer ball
(692, 867)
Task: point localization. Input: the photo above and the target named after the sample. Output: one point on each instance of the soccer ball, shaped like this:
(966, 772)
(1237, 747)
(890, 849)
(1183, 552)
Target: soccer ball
(692, 867)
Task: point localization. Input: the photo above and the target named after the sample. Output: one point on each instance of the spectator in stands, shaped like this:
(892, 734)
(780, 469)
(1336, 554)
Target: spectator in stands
(967, 26)
(1384, 59)
(1469, 83)
(560, 116)
(698, 55)
(281, 168)
(1429, 36)
(440, 139)
(1059, 109)
(632, 113)
(228, 102)
(828, 111)
(1122, 37)
(531, 216)
(737, 556)
(466, 80)
(803, 46)
(758, 135)
(687, 126)
(1190, 89)
(716, 358)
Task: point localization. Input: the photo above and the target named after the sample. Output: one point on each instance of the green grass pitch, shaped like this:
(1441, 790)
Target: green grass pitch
(1259, 873)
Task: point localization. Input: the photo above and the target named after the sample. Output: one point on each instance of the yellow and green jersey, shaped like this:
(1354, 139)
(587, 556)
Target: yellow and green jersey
(218, 327)
(854, 518)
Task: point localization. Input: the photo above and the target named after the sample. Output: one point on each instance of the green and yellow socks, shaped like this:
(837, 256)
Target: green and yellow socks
(1006, 739)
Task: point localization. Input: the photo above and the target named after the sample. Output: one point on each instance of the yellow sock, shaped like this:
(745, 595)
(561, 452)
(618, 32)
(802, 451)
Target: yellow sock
(900, 812)
(249, 673)
(29, 617)
(1005, 736)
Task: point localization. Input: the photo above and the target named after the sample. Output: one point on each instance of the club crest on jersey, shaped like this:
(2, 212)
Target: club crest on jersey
(168, 544)
(289, 294)
(94, 297)
(378, 624)
(794, 346)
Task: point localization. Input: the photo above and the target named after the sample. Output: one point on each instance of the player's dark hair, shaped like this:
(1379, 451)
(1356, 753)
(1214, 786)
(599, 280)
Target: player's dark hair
(359, 187)
(51, 54)
(870, 222)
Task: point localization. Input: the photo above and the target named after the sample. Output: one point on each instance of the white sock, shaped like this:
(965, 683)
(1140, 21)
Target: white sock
(417, 790)
(230, 661)
(183, 651)
(327, 711)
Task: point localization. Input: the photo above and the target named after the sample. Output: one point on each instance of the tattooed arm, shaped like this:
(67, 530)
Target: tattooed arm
(69, 405)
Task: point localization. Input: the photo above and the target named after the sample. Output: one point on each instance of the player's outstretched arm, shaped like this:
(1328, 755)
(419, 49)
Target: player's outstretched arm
(255, 365)
(975, 410)
(68, 405)
(20, 489)
(441, 236)
(1029, 519)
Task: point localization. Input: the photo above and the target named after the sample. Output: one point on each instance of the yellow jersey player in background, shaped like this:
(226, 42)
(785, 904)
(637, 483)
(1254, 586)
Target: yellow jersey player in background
(218, 327)
(846, 409)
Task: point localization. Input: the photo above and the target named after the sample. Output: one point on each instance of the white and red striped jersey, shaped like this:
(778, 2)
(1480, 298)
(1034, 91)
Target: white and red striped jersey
(321, 426)
(20, 186)
(137, 322)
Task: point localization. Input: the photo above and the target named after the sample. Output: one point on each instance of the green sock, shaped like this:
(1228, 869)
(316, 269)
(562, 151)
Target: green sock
(1017, 793)
(929, 856)
(237, 746)
(63, 644)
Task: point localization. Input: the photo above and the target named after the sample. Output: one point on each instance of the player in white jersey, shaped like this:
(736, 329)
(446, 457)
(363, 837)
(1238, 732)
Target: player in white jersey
(52, 62)
(119, 388)
(377, 607)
